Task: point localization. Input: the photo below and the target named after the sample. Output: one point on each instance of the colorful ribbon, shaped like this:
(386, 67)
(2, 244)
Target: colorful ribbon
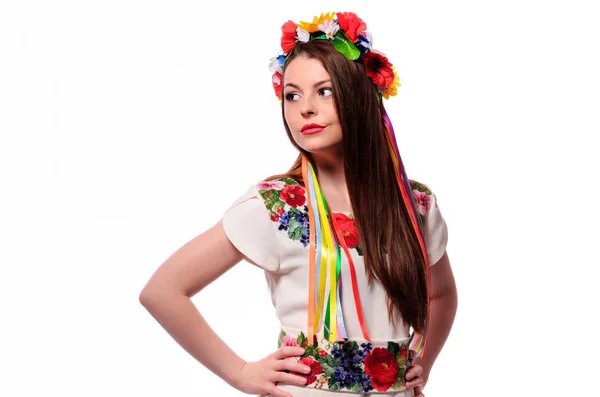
(325, 240)
(417, 223)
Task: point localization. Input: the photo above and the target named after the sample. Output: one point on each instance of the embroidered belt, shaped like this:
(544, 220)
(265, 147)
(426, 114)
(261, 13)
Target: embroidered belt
(351, 365)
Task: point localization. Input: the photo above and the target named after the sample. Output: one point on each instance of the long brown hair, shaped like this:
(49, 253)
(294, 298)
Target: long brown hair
(381, 217)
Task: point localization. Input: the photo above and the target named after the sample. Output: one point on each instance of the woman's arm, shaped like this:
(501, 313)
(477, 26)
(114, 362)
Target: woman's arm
(167, 297)
(443, 304)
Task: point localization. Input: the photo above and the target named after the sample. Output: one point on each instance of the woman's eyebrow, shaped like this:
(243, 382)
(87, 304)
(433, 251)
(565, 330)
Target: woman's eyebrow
(314, 85)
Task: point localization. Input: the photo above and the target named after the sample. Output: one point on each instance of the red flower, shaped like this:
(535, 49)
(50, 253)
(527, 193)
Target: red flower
(403, 353)
(293, 195)
(315, 369)
(322, 353)
(277, 79)
(382, 368)
(275, 218)
(288, 36)
(348, 228)
(280, 211)
(379, 69)
(351, 24)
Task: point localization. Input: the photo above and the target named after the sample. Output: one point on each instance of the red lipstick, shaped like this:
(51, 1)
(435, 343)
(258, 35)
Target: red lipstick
(310, 129)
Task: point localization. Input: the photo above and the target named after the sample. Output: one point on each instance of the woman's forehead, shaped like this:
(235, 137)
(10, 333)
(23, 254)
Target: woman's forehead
(305, 71)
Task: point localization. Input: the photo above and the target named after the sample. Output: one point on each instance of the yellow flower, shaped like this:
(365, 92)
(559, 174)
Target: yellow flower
(313, 26)
(392, 90)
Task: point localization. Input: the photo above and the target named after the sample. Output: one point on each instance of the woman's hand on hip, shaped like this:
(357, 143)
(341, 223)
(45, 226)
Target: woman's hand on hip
(416, 377)
(261, 377)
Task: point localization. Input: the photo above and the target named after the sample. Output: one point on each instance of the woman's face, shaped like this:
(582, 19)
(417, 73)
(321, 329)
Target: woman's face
(308, 105)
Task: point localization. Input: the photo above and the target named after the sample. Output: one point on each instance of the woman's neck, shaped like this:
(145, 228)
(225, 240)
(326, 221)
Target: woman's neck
(332, 179)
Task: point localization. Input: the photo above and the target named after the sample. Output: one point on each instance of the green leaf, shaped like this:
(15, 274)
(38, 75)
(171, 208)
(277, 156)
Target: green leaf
(341, 43)
(318, 35)
(295, 231)
(280, 341)
(393, 348)
(293, 224)
(349, 346)
(400, 361)
(327, 369)
(295, 212)
(420, 187)
(359, 250)
(273, 202)
(332, 384)
(356, 387)
(277, 204)
(398, 385)
(311, 351)
(401, 371)
(301, 339)
(290, 181)
(332, 361)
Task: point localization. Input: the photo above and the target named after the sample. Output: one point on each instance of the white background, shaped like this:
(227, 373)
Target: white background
(129, 127)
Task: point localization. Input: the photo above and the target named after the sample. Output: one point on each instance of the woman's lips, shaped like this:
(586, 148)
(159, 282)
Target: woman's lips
(312, 130)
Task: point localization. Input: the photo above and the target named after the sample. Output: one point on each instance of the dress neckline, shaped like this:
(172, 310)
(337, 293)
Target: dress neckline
(342, 212)
(332, 211)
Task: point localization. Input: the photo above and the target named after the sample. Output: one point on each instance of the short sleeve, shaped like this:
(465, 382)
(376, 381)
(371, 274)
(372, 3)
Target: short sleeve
(436, 232)
(249, 227)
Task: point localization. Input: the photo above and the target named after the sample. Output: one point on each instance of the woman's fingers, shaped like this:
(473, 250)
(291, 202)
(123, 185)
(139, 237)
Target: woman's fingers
(414, 382)
(286, 359)
(413, 376)
(288, 351)
(291, 365)
(277, 392)
(413, 371)
(283, 377)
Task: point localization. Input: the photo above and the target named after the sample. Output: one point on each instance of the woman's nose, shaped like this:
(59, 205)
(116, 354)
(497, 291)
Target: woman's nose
(309, 110)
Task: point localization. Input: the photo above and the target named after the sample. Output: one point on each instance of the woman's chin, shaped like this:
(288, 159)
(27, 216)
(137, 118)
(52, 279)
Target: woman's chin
(320, 146)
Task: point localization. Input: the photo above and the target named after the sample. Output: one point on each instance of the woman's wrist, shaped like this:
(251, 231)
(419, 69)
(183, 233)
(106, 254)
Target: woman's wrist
(234, 378)
(426, 365)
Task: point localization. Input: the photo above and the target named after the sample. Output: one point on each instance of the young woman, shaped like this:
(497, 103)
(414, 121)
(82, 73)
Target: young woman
(354, 252)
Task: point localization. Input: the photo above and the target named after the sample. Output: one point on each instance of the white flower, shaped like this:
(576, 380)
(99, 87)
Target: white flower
(274, 66)
(302, 35)
(276, 79)
(329, 27)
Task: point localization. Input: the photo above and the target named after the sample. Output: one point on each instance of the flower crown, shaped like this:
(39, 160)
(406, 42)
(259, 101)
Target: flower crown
(348, 34)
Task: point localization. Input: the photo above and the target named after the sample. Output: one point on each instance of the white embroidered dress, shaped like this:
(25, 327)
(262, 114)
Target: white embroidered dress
(263, 233)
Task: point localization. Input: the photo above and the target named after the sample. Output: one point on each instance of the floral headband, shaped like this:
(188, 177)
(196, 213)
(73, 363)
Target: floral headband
(348, 34)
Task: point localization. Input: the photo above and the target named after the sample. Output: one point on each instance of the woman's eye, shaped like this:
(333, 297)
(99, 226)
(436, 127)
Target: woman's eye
(326, 91)
(292, 96)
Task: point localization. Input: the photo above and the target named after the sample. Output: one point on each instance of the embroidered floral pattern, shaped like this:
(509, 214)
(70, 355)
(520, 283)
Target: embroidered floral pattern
(286, 201)
(348, 366)
(422, 198)
(349, 230)
(287, 204)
